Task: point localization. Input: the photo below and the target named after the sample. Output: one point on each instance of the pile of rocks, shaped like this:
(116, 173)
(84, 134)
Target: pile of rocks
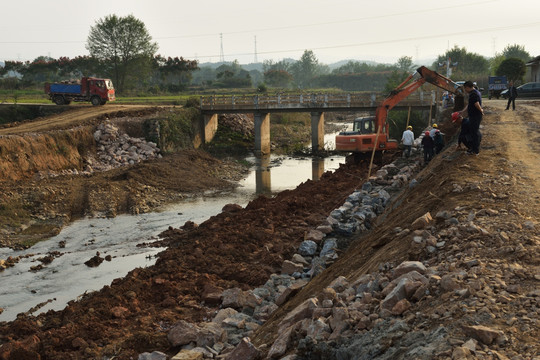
(239, 123)
(463, 281)
(242, 312)
(115, 149)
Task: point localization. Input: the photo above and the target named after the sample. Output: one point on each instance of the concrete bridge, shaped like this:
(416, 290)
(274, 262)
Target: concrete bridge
(261, 106)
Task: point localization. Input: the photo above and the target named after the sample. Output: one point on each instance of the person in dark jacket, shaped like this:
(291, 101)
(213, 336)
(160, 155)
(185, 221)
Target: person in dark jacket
(428, 144)
(465, 136)
(512, 95)
(439, 141)
(475, 113)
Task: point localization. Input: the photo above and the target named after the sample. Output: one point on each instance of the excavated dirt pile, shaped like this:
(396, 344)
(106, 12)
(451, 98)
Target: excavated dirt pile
(237, 248)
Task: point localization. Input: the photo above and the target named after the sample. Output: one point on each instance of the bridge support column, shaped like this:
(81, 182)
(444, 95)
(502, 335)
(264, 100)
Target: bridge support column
(210, 124)
(317, 131)
(262, 133)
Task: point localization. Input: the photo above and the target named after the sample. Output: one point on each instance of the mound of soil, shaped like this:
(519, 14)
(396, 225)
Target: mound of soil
(237, 248)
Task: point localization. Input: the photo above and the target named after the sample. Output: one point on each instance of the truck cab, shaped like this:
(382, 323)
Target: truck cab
(98, 91)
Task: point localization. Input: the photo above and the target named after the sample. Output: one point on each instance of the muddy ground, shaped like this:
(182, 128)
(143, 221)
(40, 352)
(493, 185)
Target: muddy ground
(241, 247)
(45, 187)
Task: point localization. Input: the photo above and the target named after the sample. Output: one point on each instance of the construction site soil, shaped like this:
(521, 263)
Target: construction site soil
(242, 247)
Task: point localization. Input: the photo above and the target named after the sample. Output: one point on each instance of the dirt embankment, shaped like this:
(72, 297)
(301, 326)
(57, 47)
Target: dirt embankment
(46, 183)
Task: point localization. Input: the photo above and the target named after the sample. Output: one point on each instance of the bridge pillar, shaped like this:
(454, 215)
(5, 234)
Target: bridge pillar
(262, 133)
(210, 125)
(317, 131)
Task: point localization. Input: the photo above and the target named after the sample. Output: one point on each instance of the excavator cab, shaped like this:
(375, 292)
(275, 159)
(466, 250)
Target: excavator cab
(361, 126)
(363, 137)
(364, 125)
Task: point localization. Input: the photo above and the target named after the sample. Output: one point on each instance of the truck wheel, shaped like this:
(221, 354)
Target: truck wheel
(59, 100)
(95, 100)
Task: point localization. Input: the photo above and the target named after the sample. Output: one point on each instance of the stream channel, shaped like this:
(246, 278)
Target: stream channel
(67, 277)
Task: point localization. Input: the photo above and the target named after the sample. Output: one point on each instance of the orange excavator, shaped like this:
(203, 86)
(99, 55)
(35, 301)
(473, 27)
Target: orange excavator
(374, 131)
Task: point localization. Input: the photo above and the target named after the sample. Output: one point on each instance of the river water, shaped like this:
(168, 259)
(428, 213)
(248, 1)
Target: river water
(67, 277)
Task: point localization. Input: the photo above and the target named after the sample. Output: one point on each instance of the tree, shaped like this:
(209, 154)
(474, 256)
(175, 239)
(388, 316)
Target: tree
(494, 63)
(405, 63)
(232, 75)
(125, 43)
(277, 78)
(395, 78)
(516, 51)
(469, 65)
(175, 71)
(306, 69)
(513, 68)
(284, 65)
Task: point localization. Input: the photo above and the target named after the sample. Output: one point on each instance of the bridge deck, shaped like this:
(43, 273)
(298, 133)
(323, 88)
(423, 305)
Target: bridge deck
(307, 102)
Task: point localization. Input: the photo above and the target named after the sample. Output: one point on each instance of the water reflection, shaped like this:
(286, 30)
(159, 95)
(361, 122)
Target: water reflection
(67, 276)
(263, 180)
(317, 168)
(273, 174)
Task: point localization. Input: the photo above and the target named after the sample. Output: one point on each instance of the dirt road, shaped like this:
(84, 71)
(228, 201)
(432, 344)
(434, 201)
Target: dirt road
(73, 117)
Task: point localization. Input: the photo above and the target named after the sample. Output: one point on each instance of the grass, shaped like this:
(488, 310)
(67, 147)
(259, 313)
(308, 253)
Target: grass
(35, 96)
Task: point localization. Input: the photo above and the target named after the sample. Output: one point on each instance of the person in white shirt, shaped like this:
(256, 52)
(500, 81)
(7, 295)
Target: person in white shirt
(408, 140)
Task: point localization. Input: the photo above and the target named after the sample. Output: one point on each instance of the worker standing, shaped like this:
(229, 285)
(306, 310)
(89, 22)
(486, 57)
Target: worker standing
(512, 95)
(432, 131)
(408, 140)
(439, 141)
(475, 112)
(428, 144)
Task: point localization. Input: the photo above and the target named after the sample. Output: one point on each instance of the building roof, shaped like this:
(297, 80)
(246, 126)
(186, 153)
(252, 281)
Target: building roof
(534, 61)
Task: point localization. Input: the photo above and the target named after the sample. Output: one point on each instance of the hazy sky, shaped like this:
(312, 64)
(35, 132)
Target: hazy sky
(378, 30)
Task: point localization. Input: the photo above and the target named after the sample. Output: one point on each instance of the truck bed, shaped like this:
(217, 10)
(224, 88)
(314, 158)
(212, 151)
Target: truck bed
(65, 88)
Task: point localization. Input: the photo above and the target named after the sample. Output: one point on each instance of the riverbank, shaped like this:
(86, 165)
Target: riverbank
(60, 168)
(473, 292)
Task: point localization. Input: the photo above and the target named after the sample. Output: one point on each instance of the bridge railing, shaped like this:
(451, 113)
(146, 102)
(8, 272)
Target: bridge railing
(307, 101)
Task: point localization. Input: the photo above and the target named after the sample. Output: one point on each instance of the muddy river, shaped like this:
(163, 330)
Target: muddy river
(67, 277)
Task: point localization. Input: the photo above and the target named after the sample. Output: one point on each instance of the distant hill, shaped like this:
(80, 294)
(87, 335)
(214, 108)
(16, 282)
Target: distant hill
(259, 66)
(332, 66)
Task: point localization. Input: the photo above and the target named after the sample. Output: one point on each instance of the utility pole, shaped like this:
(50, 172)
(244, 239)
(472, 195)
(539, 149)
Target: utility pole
(221, 55)
(255, 58)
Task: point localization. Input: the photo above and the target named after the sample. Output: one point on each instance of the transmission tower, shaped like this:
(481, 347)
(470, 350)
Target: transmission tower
(255, 58)
(221, 55)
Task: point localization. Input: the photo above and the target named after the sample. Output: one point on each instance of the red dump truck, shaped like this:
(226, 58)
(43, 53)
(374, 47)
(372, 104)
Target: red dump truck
(97, 91)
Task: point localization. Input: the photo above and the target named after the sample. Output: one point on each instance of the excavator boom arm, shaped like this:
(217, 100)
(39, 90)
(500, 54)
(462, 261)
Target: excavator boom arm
(405, 89)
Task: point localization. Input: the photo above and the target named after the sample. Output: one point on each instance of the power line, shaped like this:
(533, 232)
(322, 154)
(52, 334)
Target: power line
(412, 12)
(467, 32)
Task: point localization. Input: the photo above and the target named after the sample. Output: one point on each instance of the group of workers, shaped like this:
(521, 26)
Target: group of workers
(432, 142)
(469, 135)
